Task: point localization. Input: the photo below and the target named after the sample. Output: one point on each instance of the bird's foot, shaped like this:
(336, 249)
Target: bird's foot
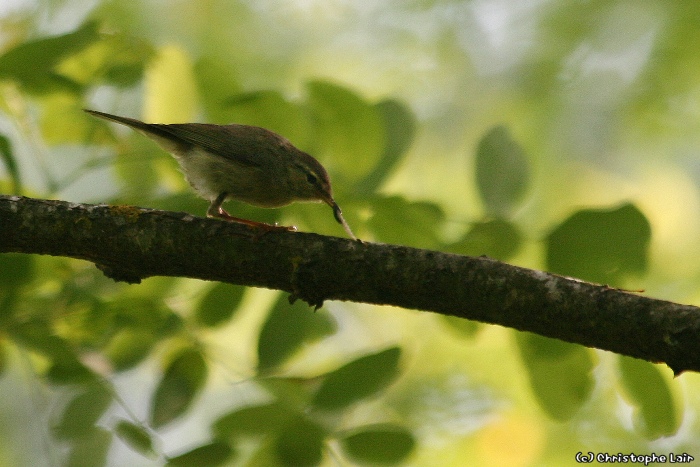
(261, 227)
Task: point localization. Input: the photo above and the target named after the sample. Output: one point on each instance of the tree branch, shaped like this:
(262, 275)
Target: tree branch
(130, 243)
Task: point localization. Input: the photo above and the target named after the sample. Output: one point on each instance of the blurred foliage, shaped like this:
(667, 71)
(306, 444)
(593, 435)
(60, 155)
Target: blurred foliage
(219, 304)
(559, 373)
(33, 64)
(10, 164)
(208, 455)
(378, 445)
(288, 328)
(358, 380)
(502, 172)
(183, 380)
(557, 135)
(136, 436)
(614, 242)
(652, 395)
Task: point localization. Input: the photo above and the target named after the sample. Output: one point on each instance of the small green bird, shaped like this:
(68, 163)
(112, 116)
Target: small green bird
(242, 162)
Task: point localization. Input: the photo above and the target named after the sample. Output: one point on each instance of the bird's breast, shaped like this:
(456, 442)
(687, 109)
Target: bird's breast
(210, 176)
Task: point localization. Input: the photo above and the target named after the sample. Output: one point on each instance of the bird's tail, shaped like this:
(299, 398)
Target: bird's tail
(132, 122)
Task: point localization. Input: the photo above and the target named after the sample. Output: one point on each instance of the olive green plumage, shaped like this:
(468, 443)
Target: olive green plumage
(242, 162)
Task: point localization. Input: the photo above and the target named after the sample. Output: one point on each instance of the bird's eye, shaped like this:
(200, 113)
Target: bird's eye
(311, 178)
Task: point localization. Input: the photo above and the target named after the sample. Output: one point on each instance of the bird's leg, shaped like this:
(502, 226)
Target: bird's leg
(215, 210)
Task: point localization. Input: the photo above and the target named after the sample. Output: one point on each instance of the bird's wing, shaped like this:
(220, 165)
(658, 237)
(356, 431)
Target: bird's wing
(231, 142)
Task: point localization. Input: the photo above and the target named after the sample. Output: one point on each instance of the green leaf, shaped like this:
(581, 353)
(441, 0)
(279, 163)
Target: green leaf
(209, 455)
(656, 412)
(146, 313)
(559, 373)
(498, 239)
(129, 347)
(16, 269)
(398, 221)
(294, 393)
(358, 379)
(126, 59)
(32, 63)
(463, 327)
(3, 356)
(502, 172)
(140, 322)
(65, 367)
(90, 450)
(135, 436)
(37, 335)
(182, 382)
(8, 157)
(251, 421)
(287, 328)
(81, 414)
(349, 133)
(600, 245)
(9, 301)
(69, 372)
(117, 59)
(300, 443)
(219, 303)
(382, 444)
(400, 130)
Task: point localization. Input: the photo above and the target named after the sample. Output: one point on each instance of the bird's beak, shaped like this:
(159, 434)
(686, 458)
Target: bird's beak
(338, 214)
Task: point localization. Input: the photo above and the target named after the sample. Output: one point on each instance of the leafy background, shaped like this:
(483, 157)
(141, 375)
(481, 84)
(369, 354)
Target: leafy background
(558, 135)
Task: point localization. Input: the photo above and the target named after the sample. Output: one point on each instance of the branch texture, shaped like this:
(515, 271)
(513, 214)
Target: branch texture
(130, 243)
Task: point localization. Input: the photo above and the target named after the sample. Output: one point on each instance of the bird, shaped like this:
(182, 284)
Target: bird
(241, 162)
